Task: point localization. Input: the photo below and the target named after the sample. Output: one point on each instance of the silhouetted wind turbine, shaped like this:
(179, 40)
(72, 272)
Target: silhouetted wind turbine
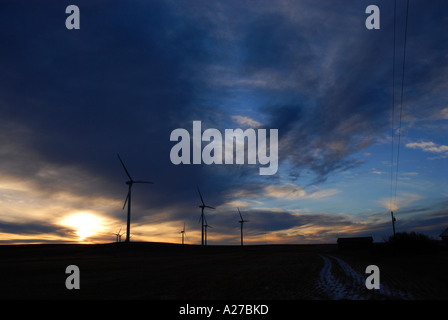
(118, 234)
(202, 206)
(206, 225)
(128, 198)
(242, 223)
(183, 233)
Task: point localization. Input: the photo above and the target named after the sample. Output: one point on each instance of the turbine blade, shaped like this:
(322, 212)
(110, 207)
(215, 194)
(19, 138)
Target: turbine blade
(240, 213)
(124, 167)
(143, 182)
(125, 201)
(209, 207)
(200, 195)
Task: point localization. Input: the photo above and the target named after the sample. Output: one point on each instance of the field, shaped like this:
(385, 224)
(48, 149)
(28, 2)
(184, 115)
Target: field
(173, 272)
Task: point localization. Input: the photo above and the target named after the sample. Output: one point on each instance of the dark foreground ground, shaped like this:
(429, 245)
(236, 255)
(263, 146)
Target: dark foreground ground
(173, 272)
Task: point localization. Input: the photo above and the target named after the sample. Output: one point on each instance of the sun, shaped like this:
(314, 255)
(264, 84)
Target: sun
(86, 224)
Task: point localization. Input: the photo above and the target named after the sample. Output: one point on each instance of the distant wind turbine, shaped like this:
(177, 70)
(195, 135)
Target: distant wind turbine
(202, 206)
(128, 198)
(206, 225)
(183, 233)
(118, 235)
(242, 223)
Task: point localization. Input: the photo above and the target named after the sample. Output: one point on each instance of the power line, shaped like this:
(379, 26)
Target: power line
(401, 100)
(393, 111)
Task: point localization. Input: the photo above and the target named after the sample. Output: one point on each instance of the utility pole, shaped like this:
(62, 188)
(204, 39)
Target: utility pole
(393, 221)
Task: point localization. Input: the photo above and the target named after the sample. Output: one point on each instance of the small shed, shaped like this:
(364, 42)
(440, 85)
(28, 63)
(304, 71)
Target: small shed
(444, 235)
(355, 243)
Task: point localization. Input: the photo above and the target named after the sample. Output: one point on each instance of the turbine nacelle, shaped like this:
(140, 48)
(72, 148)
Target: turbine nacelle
(204, 206)
(131, 182)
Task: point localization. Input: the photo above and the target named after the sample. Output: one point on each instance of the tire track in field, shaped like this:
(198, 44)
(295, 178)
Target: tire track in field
(351, 284)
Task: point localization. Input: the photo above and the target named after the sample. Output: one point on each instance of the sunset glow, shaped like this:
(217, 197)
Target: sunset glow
(85, 224)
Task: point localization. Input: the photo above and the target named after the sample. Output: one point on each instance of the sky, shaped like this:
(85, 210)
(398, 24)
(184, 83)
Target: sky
(135, 71)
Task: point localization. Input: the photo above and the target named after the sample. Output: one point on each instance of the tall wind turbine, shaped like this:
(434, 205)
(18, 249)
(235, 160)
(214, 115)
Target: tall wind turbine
(202, 206)
(242, 223)
(128, 198)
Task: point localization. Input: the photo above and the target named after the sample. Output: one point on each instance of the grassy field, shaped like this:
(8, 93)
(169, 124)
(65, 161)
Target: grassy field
(172, 272)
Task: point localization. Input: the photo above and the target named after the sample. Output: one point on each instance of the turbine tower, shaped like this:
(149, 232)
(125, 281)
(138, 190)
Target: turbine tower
(242, 223)
(202, 206)
(128, 198)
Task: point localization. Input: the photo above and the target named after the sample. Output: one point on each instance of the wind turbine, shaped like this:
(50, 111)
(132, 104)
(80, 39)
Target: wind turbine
(118, 234)
(242, 223)
(202, 206)
(206, 225)
(128, 198)
(183, 233)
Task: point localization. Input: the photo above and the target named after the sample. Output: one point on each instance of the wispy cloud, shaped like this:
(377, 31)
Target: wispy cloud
(404, 200)
(246, 121)
(428, 146)
(285, 191)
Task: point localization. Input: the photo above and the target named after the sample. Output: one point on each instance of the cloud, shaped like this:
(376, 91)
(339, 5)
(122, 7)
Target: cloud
(428, 146)
(288, 191)
(405, 200)
(256, 194)
(246, 121)
(444, 113)
(31, 228)
(291, 191)
(375, 171)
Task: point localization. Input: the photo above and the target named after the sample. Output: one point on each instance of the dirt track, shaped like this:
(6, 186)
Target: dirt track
(350, 284)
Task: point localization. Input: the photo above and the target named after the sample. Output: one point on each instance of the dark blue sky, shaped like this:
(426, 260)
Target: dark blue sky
(135, 71)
